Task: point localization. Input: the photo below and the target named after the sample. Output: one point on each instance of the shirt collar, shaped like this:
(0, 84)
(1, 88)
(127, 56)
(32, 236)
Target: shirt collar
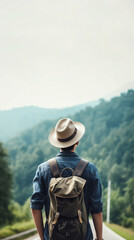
(66, 153)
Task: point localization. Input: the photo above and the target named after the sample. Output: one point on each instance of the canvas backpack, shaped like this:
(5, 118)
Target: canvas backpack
(67, 216)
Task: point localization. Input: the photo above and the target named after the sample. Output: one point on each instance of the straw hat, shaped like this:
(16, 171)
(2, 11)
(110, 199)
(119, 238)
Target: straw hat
(66, 133)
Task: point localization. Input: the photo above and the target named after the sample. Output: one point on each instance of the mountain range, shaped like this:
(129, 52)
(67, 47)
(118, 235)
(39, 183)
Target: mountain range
(15, 121)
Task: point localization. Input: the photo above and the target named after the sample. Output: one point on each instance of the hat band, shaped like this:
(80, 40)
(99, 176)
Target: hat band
(69, 138)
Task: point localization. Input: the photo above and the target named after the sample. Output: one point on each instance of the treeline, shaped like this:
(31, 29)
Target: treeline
(10, 211)
(5, 185)
(108, 143)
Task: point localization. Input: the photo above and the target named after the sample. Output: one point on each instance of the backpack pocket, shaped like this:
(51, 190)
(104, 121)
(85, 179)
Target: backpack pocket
(68, 229)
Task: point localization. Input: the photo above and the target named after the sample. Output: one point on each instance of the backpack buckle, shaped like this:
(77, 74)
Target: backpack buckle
(79, 215)
(56, 218)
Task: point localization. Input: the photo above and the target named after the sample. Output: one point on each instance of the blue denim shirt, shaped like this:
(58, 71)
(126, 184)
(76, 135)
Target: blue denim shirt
(92, 189)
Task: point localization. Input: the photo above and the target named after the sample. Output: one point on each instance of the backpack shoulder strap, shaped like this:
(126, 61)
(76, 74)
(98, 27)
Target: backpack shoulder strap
(54, 167)
(80, 167)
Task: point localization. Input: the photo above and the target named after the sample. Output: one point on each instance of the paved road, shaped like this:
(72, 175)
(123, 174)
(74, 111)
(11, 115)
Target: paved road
(35, 237)
(108, 234)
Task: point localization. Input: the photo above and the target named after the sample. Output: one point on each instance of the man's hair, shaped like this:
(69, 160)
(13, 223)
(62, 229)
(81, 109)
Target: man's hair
(68, 148)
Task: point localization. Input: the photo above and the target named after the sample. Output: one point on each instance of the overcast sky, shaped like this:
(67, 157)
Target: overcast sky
(64, 52)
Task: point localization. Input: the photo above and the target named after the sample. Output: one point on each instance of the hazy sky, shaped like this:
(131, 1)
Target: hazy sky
(64, 52)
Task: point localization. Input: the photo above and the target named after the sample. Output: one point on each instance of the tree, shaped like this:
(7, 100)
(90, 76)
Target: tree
(117, 207)
(129, 197)
(5, 185)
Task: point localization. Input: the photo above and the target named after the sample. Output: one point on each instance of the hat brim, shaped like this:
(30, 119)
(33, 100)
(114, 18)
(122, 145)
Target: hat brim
(55, 142)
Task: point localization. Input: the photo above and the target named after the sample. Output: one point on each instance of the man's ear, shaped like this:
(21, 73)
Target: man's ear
(76, 144)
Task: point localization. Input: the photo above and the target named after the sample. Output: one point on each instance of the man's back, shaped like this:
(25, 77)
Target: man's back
(92, 188)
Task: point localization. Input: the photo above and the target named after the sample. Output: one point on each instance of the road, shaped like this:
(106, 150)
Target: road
(108, 234)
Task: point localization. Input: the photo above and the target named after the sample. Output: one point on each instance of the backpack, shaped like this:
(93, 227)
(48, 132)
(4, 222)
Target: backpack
(67, 216)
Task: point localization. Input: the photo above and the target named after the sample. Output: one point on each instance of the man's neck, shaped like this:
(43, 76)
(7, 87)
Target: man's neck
(61, 150)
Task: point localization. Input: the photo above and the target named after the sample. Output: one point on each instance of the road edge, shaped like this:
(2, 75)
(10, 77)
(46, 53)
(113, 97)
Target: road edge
(114, 233)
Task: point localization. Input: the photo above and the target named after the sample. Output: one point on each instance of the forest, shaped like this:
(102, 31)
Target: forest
(108, 143)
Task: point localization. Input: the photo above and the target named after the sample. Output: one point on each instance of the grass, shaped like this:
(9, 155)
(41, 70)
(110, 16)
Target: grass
(123, 232)
(16, 228)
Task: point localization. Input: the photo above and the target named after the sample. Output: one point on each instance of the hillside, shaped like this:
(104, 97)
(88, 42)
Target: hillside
(108, 143)
(14, 121)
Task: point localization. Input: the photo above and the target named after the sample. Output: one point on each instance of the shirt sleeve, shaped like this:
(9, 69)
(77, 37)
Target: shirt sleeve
(96, 205)
(38, 197)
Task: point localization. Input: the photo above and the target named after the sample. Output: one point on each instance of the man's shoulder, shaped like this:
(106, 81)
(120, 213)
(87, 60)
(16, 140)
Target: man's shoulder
(90, 164)
(44, 166)
(91, 168)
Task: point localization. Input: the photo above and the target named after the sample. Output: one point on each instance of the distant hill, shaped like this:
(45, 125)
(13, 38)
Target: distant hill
(14, 121)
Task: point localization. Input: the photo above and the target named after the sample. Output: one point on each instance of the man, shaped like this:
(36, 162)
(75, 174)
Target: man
(66, 136)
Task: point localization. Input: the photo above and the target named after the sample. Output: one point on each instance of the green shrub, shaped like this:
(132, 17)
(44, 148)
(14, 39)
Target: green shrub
(16, 228)
(20, 213)
(27, 215)
(128, 222)
(5, 232)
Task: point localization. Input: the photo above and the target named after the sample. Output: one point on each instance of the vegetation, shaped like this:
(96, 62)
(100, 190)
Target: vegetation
(108, 143)
(19, 212)
(20, 220)
(16, 228)
(5, 186)
(123, 232)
